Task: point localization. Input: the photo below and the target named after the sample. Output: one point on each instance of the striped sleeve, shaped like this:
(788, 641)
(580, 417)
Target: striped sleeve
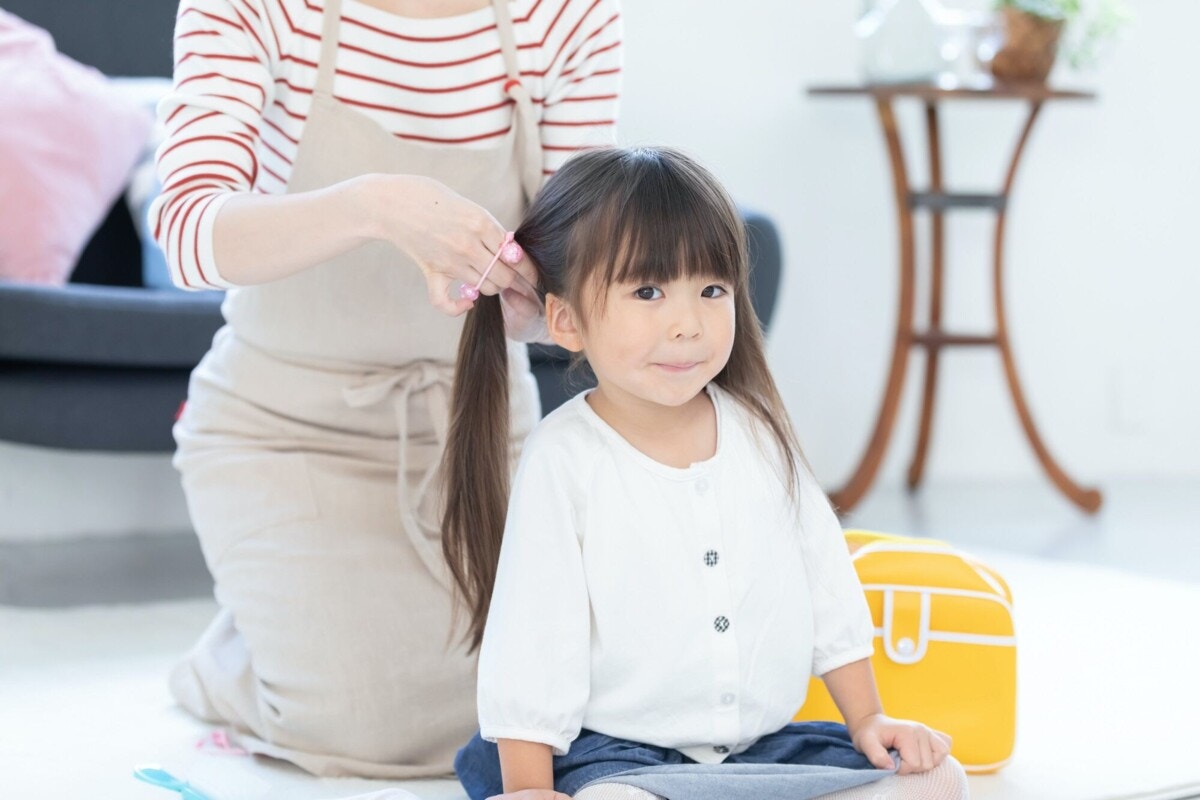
(583, 83)
(213, 117)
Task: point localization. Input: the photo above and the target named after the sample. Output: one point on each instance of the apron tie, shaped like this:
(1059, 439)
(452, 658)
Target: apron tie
(435, 382)
(528, 138)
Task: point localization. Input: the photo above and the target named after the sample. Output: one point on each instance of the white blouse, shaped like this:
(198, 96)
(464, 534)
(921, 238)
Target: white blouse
(683, 608)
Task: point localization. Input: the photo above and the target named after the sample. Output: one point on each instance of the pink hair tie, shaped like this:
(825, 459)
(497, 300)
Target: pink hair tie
(218, 741)
(508, 251)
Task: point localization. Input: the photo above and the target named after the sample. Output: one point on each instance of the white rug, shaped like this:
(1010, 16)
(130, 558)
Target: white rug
(1109, 699)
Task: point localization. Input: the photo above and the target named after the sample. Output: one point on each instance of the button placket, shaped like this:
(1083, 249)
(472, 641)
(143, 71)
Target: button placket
(726, 711)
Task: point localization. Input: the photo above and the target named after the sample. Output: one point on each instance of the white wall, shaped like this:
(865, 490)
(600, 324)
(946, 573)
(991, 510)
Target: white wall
(48, 494)
(1103, 270)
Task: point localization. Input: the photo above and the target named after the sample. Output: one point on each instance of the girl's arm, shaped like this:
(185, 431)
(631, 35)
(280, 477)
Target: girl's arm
(852, 687)
(525, 765)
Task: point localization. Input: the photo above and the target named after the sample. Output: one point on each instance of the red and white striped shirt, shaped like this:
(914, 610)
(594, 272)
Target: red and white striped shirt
(244, 77)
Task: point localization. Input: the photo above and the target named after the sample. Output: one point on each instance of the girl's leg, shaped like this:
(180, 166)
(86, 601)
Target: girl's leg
(947, 781)
(615, 791)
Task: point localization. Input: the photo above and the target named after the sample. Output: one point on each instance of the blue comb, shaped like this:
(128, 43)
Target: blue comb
(157, 776)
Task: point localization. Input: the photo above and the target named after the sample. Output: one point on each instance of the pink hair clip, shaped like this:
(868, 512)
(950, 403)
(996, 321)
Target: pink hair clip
(509, 252)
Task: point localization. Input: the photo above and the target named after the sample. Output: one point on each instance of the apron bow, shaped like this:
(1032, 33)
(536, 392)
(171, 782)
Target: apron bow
(435, 382)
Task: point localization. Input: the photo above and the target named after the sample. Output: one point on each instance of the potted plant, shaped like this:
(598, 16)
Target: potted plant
(1035, 28)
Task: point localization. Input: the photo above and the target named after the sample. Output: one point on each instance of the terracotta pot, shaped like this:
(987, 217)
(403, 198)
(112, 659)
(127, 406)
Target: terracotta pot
(1030, 47)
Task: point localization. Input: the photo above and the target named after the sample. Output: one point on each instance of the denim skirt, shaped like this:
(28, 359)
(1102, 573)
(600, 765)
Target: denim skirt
(802, 760)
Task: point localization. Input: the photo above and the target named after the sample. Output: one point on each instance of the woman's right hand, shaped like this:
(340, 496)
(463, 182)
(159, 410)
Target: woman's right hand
(449, 237)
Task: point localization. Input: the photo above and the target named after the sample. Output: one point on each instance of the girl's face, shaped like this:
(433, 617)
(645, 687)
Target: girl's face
(653, 343)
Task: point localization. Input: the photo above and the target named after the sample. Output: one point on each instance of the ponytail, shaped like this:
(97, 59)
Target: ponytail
(476, 464)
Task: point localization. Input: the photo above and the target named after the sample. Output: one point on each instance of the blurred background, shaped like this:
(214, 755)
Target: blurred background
(1101, 280)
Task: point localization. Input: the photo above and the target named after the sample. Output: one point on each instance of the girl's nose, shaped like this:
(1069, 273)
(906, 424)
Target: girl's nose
(686, 324)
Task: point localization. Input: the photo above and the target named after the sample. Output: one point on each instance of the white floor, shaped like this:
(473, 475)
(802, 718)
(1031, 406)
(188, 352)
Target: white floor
(1148, 527)
(1107, 662)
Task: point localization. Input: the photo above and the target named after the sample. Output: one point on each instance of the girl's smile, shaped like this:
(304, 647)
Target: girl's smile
(679, 366)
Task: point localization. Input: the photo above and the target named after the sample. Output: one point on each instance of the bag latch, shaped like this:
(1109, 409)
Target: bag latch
(906, 643)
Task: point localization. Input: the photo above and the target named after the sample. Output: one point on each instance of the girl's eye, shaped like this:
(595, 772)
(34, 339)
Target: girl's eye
(648, 293)
(713, 291)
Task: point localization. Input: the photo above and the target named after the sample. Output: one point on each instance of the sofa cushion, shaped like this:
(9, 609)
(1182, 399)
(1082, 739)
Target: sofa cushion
(67, 146)
(107, 326)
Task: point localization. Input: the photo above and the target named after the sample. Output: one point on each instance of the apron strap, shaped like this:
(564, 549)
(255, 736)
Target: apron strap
(529, 140)
(331, 19)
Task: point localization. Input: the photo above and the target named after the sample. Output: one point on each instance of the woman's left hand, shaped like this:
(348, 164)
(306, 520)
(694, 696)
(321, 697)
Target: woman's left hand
(921, 748)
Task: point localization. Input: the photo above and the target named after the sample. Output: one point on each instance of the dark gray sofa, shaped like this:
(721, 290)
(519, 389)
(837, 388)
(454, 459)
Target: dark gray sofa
(102, 364)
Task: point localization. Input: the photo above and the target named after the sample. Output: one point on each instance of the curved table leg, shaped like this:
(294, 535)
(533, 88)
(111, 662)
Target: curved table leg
(916, 467)
(848, 496)
(1087, 499)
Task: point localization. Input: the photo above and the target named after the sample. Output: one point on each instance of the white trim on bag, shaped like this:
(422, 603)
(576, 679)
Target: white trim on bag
(901, 587)
(938, 548)
(965, 638)
(907, 547)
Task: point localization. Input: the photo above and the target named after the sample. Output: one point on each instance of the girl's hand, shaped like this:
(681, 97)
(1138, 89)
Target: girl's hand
(532, 794)
(921, 748)
(449, 237)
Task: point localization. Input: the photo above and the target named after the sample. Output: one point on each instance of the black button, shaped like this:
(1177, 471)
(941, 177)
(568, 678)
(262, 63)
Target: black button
(722, 749)
(721, 624)
(711, 558)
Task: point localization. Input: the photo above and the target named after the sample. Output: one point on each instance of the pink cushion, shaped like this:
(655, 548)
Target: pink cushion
(68, 142)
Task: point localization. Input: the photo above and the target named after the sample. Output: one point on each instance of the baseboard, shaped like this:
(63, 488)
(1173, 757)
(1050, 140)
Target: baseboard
(127, 569)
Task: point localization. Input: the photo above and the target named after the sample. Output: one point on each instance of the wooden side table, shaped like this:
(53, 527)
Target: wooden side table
(937, 201)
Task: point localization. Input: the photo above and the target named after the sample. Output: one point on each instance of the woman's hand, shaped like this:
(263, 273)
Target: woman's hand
(532, 794)
(921, 748)
(449, 237)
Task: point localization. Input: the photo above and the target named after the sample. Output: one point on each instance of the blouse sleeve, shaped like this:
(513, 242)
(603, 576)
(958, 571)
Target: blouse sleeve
(843, 630)
(213, 117)
(535, 659)
(583, 82)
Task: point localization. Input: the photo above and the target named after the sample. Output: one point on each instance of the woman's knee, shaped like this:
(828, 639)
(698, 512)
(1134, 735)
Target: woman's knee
(376, 715)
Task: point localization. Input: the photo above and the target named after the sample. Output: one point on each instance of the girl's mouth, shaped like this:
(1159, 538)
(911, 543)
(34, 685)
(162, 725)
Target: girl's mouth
(681, 366)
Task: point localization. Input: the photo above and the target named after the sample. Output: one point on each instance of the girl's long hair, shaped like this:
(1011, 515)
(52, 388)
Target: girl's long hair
(648, 215)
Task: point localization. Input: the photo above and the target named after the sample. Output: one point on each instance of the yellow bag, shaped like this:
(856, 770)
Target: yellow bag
(947, 655)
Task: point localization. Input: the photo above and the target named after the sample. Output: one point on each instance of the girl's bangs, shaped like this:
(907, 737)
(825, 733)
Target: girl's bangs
(662, 226)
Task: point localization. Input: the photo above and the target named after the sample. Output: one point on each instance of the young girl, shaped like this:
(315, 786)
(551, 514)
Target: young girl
(651, 599)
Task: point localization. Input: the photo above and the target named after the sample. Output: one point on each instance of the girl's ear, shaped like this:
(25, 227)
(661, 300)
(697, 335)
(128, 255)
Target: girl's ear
(564, 328)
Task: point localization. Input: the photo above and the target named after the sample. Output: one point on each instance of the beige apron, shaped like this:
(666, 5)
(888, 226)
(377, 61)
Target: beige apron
(307, 450)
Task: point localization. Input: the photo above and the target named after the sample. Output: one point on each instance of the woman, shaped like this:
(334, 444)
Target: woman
(338, 167)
